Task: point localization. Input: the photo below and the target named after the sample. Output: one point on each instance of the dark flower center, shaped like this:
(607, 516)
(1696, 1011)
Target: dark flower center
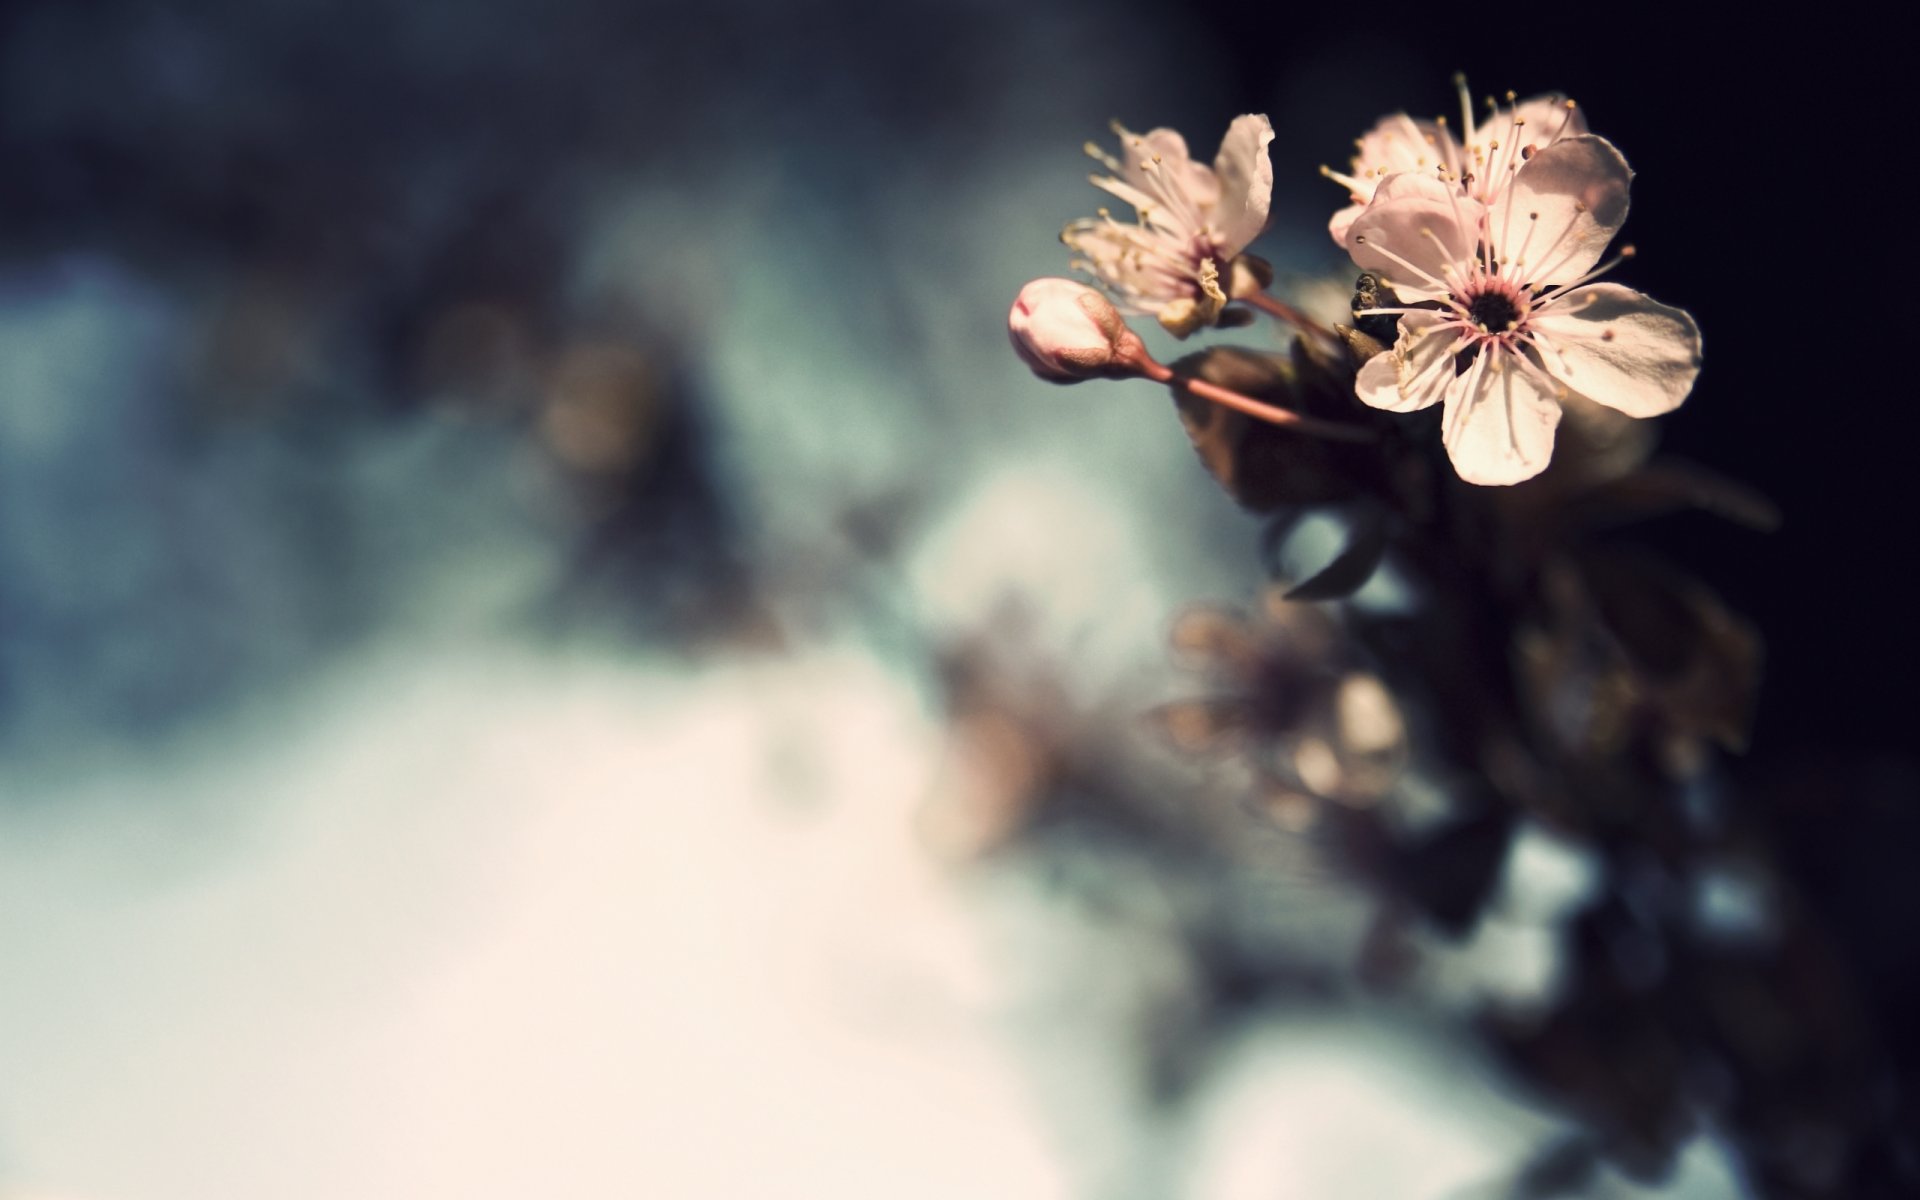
(1493, 311)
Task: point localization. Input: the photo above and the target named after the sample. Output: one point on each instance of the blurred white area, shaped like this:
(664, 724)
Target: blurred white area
(1309, 1107)
(498, 923)
(1514, 959)
(1062, 545)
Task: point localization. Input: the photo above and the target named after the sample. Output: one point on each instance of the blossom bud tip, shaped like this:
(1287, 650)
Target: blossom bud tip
(1066, 331)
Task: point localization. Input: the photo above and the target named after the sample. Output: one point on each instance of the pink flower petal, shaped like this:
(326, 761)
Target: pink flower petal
(1341, 225)
(1415, 373)
(1153, 213)
(1245, 182)
(1538, 121)
(1619, 348)
(1400, 143)
(1139, 150)
(1563, 207)
(1499, 423)
(1414, 233)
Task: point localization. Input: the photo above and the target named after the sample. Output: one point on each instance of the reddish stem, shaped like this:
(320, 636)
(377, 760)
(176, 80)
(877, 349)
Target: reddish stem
(1272, 414)
(1276, 307)
(1286, 312)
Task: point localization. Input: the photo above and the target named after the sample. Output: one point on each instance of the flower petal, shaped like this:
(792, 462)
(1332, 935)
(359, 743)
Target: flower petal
(1165, 186)
(1499, 423)
(1400, 143)
(1394, 145)
(1150, 211)
(1129, 259)
(1245, 182)
(1341, 225)
(1562, 208)
(1138, 153)
(1414, 233)
(1378, 383)
(1416, 372)
(1538, 121)
(1620, 348)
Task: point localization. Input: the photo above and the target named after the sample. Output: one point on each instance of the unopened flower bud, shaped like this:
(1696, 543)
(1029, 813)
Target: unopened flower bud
(1066, 331)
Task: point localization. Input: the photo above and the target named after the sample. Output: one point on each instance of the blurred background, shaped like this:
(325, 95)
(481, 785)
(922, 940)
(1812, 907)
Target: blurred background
(547, 647)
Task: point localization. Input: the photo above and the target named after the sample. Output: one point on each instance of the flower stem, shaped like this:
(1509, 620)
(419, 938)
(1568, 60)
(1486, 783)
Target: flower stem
(1272, 414)
(1277, 307)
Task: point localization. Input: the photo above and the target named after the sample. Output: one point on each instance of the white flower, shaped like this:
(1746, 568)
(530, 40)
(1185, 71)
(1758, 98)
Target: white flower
(1177, 261)
(1492, 152)
(1066, 331)
(1394, 146)
(1518, 327)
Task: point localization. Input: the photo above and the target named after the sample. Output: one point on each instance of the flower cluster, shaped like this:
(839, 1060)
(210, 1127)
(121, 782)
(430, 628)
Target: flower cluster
(1481, 247)
(1180, 261)
(1508, 663)
(1482, 163)
(1491, 247)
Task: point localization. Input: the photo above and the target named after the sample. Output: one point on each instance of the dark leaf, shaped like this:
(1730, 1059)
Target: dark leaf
(1699, 662)
(1274, 536)
(1450, 875)
(1353, 566)
(1261, 466)
(1670, 486)
(1644, 603)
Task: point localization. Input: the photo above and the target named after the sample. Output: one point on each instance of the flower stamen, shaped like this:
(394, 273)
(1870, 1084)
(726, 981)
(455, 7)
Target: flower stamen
(1626, 252)
(1429, 279)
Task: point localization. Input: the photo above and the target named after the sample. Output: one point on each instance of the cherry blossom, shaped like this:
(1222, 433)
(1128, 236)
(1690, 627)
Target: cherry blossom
(1481, 163)
(1066, 331)
(1180, 260)
(1502, 323)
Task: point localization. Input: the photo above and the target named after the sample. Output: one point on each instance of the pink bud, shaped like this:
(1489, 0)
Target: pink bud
(1066, 331)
